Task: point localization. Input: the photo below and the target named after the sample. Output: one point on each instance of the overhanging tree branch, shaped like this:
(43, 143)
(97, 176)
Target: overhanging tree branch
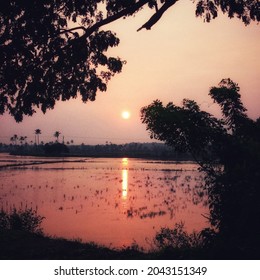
(127, 11)
(154, 18)
(72, 29)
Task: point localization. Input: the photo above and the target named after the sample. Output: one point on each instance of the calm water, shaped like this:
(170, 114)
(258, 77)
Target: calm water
(111, 201)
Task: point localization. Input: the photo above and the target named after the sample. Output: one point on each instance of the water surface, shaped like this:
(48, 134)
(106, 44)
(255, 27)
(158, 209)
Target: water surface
(111, 201)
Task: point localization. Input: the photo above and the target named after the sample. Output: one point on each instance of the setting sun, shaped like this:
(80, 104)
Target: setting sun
(125, 115)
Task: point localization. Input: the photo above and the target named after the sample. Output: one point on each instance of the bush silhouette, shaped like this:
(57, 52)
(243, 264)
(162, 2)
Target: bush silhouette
(23, 220)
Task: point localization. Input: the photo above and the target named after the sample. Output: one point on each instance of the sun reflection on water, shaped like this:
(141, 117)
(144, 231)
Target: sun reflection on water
(124, 178)
(125, 162)
(124, 183)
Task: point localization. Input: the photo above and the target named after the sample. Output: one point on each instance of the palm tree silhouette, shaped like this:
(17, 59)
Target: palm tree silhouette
(15, 137)
(57, 134)
(37, 133)
(21, 139)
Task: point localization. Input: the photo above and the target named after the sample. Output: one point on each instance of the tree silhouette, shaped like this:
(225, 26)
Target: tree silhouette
(21, 139)
(37, 133)
(12, 140)
(15, 138)
(228, 152)
(56, 50)
(57, 134)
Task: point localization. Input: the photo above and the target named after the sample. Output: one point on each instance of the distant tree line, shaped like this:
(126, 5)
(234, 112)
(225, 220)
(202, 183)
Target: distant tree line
(149, 150)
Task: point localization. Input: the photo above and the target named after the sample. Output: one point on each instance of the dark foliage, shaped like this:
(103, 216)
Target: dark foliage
(44, 60)
(21, 220)
(228, 151)
(57, 50)
(131, 150)
(55, 149)
(244, 10)
(177, 238)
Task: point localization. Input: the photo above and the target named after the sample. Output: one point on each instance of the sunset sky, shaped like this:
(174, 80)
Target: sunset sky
(181, 57)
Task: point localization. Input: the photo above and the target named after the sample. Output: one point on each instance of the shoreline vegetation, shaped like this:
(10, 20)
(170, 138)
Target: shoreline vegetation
(130, 150)
(20, 245)
(21, 238)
